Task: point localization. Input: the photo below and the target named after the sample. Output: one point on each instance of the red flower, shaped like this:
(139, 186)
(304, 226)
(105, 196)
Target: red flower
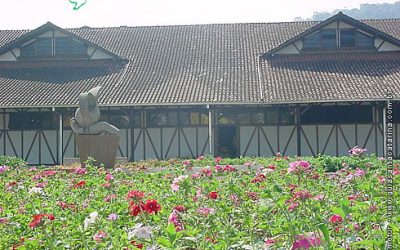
(152, 206)
(136, 209)
(37, 219)
(136, 195)
(336, 219)
(180, 208)
(259, 178)
(80, 184)
(138, 245)
(213, 195)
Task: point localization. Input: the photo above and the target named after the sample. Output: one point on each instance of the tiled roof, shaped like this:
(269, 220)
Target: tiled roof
(201, 64)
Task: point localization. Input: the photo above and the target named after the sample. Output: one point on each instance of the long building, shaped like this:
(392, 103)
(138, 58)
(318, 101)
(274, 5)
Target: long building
(298, 88)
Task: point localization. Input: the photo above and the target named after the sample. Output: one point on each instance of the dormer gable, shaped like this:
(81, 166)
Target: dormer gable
(50, 42)
(339, 33)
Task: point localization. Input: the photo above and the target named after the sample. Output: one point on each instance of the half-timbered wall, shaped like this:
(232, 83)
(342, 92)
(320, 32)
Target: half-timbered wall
(40, 146)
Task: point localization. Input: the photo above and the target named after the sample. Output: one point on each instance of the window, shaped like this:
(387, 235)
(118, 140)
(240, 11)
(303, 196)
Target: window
(54, 46)
(44, 47)
(162, 118)
(364, 41)
(353, 38)
(347, 38)
(68, 46)
(328, 38)
(325, 38)
(33, 120)
(337, 115)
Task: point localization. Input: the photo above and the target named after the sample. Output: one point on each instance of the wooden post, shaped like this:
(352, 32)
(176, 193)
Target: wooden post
(298, 130)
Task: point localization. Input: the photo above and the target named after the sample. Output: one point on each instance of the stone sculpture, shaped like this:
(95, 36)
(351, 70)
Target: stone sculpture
(86, 120)
(94, 138)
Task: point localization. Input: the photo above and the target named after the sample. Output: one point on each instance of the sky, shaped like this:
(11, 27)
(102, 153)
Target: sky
(30, 14)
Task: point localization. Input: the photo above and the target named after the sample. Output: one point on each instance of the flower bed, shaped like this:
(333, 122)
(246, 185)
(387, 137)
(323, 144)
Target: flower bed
(285, 203)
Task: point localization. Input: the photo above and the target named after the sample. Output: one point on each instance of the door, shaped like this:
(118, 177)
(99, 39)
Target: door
(227, 141)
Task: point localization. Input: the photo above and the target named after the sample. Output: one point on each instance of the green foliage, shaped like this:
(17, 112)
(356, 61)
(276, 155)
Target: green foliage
(11, 161)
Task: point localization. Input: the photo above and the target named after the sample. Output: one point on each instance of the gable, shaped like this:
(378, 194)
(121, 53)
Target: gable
(339, 33)
(50, 42)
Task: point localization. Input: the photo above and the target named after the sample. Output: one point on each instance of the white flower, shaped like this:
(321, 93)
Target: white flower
(36, 190)
(140, 232)
(91, 219)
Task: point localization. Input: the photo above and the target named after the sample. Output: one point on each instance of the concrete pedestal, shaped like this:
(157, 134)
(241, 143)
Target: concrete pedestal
(102, 148)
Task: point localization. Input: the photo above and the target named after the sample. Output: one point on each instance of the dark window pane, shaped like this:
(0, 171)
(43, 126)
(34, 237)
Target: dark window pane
(44, 47)
(184, 118)
(272, 117)
(257, 117)
(347, 38)
(78, 48)
(338, 115)
(28, 50)
(204, 118)
(226, 118)
(63, 45)
(137, 119)
(244, 118)
(173, 118)
(364, 41)
(328, 38)
(32, 120)
(194, 118)
(157, 119)
(312, 41)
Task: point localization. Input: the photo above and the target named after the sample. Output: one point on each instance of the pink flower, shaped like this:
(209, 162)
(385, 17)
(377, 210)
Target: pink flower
(109, 177)
(229, 168)
(269, 242)
(80, 171)
(234, 199)
(3, 220)
(206, 171)
(359, 172)
(298, 167)
(336, 219)
(196, 176)
(201, 157)
(174, 219)
(176, 181)
(112, 217)
(217, 159)
(293, 206)
(186, 163)
(3, 168)
(381, 179)
(99, 236)
(205, 211)
(356, 151)
(318, 197)
(306, 242)
(110, 197)
(302, 195)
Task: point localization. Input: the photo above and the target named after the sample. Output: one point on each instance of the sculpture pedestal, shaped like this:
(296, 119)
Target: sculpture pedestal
(102, 148)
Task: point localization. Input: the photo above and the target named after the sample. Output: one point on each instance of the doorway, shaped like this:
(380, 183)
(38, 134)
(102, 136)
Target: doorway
(227, 141)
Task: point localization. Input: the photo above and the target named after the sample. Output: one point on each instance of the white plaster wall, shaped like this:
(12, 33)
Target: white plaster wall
(190, 134)
(151, 153)
(202, 139)
(69, 152)
(271, 133)
(167, 136)
(245, 134)
(8, 56)
(389, 47)
(139, 147)
(284, 134)
(100, 55)
(51, 136)
(310, 132)
(290, 49)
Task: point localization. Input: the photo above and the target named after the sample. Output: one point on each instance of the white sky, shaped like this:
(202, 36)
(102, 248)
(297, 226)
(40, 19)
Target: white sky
(29, 14)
